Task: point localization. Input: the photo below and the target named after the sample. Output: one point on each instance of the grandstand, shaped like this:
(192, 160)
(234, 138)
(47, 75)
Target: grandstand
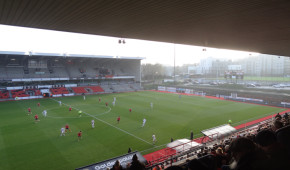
(260, 26)
(38, 75)
(213, 159)
(66, 74)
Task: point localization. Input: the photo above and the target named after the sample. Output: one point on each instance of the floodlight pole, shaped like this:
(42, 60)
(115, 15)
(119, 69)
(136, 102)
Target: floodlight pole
(174, 64)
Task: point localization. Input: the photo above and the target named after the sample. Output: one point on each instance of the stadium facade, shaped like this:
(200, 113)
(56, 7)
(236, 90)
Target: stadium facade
(26, 73)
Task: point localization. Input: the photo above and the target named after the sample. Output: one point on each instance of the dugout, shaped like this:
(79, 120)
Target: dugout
(46, 94)
(219, 132)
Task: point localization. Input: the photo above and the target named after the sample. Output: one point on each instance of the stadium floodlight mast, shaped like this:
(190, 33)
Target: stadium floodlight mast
(122, 41)
(65, 54)
(174, 64)
(30, 53)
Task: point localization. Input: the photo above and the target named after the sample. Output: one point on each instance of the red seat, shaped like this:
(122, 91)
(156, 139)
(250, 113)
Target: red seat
(59, 90)
(96, 88)
(79, 89)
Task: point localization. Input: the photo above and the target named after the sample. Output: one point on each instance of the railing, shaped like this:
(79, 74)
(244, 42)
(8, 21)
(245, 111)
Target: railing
(171, 158)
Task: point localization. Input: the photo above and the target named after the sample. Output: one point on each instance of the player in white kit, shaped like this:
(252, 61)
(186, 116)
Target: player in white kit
(151, 104)
(62, 131)
(44, 113)
(93, 123)
(59, 103)
(144, 121)
(154, 139)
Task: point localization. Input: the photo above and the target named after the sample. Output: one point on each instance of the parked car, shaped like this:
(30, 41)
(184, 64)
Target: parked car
(251, 85)
(279, 85)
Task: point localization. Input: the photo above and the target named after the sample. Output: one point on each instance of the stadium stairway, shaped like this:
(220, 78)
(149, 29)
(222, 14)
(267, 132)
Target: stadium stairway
(70, 90)
(10, 94)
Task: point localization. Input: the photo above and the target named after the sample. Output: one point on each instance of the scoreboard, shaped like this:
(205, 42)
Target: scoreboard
(234, 75)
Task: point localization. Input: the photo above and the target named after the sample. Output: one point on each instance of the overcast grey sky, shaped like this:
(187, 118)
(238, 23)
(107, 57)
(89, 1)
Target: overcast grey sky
(38, 40)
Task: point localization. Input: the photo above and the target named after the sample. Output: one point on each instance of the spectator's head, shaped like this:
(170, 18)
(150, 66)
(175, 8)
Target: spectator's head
(135, 158)
(227, 148)
(240, 147)
(212, 151)
(174, 168)
(196, 164)
(117, 163)
(219, 151)
(277, 125)
(265, 138)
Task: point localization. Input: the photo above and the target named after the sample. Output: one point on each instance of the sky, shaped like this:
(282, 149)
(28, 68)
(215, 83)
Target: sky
(39, 40)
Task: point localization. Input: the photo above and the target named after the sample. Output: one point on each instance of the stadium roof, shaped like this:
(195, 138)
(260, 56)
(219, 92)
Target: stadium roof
(261, 26)
(29, 53)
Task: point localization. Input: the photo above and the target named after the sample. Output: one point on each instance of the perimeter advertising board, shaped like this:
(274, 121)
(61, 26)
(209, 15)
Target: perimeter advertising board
(124, 160)
(171, 89)
(161, 88)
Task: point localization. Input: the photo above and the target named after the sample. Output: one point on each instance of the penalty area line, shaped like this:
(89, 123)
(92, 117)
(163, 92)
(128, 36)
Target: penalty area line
(109, 124)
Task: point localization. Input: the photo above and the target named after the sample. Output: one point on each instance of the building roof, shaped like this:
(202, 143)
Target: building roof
(29, 53)
(248, 25)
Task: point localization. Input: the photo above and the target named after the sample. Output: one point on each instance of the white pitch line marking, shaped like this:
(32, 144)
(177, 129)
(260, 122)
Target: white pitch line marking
(109, 124)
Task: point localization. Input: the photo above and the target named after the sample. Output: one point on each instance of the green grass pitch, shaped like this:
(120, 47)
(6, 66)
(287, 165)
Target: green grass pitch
(25, 144)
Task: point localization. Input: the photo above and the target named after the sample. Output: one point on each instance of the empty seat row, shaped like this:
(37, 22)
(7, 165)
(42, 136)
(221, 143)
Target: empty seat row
(19, 93)
(59, 90)
(4, 94)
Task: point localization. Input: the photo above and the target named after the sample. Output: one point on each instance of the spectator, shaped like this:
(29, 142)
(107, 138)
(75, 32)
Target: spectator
(220, 157)
(277, 125)
(157, 167)
(117, 166)
(196, 164)
(191, 135)
(136, 164)
(247, 156)
(279, 159)
(285, 116)
(174, 168)
(283, 138)
(278, 117)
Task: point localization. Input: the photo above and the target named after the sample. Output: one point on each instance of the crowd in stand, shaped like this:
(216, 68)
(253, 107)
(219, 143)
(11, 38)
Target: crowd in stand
(134, 165)
(264, 148)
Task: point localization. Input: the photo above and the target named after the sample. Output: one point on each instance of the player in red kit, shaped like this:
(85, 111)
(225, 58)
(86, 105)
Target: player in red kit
(130, 110)
(106, 103)
(67, 128)
(118, 119)
(29, 110)
(99, 99)
(36, 118)
(69, 109)
(38, 104)
(79, 136)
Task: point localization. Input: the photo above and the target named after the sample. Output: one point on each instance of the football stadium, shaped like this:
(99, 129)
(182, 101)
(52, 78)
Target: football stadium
(74, 90)
(97, 112)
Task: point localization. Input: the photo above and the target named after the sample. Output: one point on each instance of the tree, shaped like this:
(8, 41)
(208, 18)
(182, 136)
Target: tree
(152, 71)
